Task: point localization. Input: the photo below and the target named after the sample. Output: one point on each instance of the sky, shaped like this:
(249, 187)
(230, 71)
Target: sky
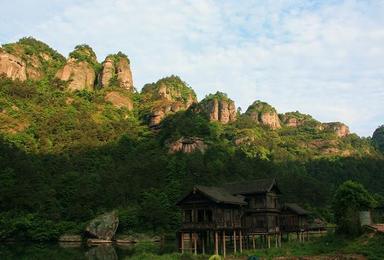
(323, 58)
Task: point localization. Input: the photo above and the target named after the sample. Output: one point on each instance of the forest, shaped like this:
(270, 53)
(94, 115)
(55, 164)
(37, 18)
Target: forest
(66, 156)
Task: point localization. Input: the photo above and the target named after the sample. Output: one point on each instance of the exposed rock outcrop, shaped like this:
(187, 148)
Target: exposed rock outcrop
(119, 100)
(264, 114)
(117, 67)
(168, 95)
(218, 107)
(79, 69)
(188, 145)
(104, 226)
(296, 119)
(340, 129)
(29, 59)
(12, 66)
(80, 75)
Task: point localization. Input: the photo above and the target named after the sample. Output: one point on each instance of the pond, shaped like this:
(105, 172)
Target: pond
(64, 251)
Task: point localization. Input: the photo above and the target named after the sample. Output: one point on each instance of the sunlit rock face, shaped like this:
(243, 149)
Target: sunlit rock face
(166, 96)
(264, 114)
(218, 107)
(12, 66)
(116, 67)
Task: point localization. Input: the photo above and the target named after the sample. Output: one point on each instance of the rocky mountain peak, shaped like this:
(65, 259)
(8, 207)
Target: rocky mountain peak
(168, 95)
(116, 71)
(29, 59)
(264, 114)
(296, 119)
(378, 138)
(80, 69)
(340, 129)
(218, 107)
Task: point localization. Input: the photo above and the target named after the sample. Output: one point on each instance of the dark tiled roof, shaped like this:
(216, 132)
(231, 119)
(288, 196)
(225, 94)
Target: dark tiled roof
(255, 186)
(296, 208)
(220, 195)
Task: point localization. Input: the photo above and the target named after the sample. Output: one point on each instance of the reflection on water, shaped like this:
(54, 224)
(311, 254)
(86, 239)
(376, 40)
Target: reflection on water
(80, 251)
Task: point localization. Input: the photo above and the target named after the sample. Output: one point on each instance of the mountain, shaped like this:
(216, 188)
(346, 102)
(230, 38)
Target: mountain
(77, 138)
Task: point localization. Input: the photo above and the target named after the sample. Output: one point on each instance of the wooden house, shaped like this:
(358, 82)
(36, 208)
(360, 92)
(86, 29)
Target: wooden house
(234, 214)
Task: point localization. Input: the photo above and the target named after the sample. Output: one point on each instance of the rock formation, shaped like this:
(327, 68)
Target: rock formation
(264, 114)
(218, 107)
(340, 129)
(168, 95)
(117, 67)
(80, 75)
(104, 226)
(296, 119)
(119, 100)
(188, 145)
(12, 67)
(28, 59)
(79, 70)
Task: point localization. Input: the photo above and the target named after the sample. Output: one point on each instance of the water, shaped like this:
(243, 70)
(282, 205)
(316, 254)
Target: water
(64, 251)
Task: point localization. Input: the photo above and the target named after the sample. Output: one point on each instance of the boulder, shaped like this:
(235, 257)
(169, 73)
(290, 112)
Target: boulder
(218, 107)
(80, 75)
(188, 145)
(12, 66)
(118, 100)
(104, 226)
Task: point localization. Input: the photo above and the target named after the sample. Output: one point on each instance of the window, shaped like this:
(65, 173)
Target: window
(188, 216)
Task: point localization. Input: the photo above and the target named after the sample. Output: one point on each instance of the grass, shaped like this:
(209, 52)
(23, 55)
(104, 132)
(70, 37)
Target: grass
(371, 246)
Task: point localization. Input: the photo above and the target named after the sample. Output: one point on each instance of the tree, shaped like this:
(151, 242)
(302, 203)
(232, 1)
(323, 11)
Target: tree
(350, 198)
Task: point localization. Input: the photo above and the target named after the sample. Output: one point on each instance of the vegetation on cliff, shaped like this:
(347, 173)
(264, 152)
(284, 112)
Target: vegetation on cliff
(66, 156)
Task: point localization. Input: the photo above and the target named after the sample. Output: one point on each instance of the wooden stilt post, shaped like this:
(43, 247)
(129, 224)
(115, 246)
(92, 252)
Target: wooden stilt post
(190, 242)
(224, 249)
(269, 241)
(253, 242)
(195, 243)
(203, 241)
(234, 241)
(182, 242)
(275, 240)
(241, 241)
(216, 244)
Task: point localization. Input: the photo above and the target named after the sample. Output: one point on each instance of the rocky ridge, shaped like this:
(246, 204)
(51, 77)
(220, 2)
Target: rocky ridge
(34, 60)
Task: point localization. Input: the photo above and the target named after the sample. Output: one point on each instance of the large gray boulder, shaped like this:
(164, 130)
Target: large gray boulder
(104, 226)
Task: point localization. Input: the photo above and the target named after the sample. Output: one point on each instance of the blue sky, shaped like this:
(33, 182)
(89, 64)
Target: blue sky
(324, 58)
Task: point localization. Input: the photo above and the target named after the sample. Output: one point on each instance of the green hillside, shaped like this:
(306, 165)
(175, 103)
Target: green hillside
(69, 155)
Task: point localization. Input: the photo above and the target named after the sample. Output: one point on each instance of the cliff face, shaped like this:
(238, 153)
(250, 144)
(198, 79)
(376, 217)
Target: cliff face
(340, 129)
(79, 69)
(188, 145)
(168, 95)
(12, 67)
(116, 70)
(264, 114)
(218, 107)
(80, 75)
(296, 119)
(28, 59)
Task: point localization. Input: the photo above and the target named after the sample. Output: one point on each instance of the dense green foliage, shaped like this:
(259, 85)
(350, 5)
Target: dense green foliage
(350, 198)
(85, 53)
(68, 156)
(378, 138)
